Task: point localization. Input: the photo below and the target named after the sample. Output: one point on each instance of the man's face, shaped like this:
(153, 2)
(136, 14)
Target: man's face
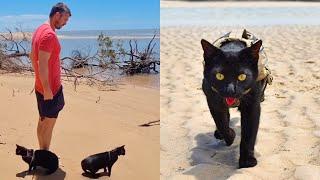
(60, 19)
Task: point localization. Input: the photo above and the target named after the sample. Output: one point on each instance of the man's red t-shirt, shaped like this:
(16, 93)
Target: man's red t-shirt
(45, 39)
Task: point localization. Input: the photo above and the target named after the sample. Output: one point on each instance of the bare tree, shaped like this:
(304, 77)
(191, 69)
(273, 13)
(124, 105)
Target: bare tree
(98, 68)
(13, 51)
(141, 61)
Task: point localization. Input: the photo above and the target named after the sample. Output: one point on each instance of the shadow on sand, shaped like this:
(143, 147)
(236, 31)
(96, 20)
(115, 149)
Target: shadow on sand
(96, 176)
(212, 158)
(39, 174)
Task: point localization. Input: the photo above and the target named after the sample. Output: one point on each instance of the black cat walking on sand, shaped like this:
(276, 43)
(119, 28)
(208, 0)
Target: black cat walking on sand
(233, 78)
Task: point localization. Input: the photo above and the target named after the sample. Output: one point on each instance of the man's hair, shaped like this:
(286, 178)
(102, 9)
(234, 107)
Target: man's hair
(61, 8)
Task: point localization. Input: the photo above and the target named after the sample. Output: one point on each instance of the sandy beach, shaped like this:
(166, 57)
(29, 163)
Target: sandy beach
(92, 121)
(288, 142)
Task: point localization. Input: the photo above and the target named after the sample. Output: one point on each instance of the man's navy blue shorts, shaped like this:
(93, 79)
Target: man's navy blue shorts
(50, 108)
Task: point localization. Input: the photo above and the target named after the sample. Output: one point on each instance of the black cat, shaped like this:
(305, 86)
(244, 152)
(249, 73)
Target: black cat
(25, 153)
(230, 79)
(104, 160)
(42, 158)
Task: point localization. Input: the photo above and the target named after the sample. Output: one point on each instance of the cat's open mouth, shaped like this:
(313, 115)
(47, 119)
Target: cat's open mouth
(231, 101)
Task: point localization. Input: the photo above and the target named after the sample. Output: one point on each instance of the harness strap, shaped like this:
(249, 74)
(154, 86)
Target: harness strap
(244, 93)
(109, 156)
(214, 89)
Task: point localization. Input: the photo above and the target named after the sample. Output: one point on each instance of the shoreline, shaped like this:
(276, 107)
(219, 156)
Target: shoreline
(143, 80)
(28, 35)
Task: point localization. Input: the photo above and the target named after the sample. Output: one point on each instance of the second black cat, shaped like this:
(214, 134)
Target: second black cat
(104, 160)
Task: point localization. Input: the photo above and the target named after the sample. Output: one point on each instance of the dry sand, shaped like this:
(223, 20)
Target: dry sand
(83, 128)
(288, 142)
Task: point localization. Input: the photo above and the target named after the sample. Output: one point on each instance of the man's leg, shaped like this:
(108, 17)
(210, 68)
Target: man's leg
(39, 127)
(44, 132)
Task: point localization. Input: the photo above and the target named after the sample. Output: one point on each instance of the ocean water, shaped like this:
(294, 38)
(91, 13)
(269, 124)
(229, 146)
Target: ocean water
(240, 16)
(87, 40)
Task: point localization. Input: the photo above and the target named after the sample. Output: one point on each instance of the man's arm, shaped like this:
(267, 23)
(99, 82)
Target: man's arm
(44, 74)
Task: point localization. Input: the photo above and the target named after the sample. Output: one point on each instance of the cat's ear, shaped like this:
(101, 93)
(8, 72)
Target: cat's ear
(252, 52)
(255, 49)
(209, 50)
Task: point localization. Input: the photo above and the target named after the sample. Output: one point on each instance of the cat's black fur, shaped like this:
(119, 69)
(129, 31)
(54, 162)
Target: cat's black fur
(104, 160)
(231, 64)
(43, 158)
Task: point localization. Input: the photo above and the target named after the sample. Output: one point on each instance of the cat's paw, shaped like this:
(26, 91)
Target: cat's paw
(218, 135)
(247, 162)
(229, 137)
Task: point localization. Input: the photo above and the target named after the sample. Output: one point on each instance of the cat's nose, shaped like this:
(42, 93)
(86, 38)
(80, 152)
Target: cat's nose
(231, 89)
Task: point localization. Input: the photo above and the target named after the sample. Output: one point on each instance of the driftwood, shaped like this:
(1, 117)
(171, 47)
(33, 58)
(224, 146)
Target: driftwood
(151, 123)
(141, 62)
(81, 65)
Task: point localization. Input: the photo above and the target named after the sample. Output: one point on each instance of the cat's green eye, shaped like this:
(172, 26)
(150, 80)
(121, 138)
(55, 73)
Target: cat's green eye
(242, 77)
(219, 76)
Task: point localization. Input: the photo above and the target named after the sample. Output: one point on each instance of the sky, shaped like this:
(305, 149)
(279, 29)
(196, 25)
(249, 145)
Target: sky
(86, 14)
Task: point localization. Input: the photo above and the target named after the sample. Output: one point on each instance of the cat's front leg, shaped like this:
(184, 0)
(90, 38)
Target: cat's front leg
(220, 114)
(109, 170)
(31, 166)
(217, 133)
(221, 118)
(223, 130)
(250, 116)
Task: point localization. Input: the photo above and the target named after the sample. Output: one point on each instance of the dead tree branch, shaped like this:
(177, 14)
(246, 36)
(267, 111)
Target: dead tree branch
(96, 69)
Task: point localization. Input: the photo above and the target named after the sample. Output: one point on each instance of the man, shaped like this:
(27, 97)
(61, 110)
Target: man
(46, 63)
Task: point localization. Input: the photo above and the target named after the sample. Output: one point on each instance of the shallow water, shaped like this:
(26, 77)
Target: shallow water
(87, 40)
(240, 16)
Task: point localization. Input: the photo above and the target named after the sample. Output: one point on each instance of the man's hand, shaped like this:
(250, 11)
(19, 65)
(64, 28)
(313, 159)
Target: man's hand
(47, 94)
(44, 74)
